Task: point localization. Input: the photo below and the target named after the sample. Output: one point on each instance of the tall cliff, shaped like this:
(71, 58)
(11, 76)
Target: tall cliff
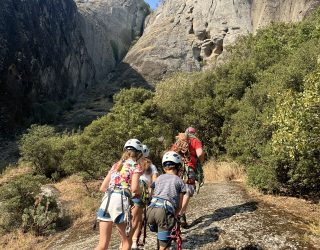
(108, 29)
(187, 35)
(51, 50)
(42, 56)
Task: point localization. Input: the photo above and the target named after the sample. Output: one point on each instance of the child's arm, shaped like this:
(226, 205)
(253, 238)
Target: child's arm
(135, 188)
(155, 173)
(179, 205)
(105, 183)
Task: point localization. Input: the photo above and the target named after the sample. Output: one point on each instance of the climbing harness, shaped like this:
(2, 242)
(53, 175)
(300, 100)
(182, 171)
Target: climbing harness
(176, 235)
(127, 212)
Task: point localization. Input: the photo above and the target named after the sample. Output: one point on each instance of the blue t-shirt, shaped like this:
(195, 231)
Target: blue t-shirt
(169, 187)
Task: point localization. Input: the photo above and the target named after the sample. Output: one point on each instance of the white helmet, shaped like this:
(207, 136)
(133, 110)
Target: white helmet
(145, 150)
(171, 156)
(133, 144)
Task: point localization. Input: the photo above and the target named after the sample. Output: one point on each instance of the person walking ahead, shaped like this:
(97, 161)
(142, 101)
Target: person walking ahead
(149, 175)
(167, 199)
(121, 182)
(195, 154)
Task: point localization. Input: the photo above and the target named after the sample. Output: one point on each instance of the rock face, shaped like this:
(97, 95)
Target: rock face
(266, 11)
(51, 50)
(108, 28)
(42, 56)
(187, 35)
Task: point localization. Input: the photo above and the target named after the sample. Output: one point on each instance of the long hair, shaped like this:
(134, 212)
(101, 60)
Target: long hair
(127, 154)
(145, 164)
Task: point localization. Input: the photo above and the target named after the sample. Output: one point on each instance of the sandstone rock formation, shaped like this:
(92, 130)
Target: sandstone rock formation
(108, 29)
(188, 35)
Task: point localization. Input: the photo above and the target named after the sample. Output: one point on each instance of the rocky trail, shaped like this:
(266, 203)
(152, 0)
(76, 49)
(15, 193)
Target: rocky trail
(222, 216)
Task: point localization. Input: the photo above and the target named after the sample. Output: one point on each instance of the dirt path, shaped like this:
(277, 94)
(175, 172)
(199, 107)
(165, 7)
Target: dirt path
(223, 217)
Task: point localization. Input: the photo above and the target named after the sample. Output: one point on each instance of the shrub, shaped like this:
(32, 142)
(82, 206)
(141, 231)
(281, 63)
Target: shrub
(188, 100)
(101, 143)
(15, 197)
(35, 147)
(42, 217)
(45, 150)
(296, 139)
(263, 177)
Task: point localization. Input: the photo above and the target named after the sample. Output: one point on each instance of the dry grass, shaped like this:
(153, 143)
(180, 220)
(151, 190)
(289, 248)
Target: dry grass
(308, 211)
(20, 240)
(302, 208)
(223, 171)
(315, 228)
(79, 197)
(13, 172)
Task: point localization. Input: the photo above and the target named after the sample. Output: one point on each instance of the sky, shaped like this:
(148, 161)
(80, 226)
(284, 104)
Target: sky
(152, 3)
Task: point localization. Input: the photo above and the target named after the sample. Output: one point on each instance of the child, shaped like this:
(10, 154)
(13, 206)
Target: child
(149, 175)
(121, 182)
(167, 199)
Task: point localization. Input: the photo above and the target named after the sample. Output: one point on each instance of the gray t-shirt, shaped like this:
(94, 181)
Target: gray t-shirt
(169, 187)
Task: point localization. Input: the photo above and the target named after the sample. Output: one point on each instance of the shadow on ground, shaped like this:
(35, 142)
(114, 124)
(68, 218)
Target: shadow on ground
(210, 235)
(223, 213)
(249, 247)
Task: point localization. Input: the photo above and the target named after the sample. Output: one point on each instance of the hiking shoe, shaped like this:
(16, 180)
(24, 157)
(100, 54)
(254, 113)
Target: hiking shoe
(183, 221)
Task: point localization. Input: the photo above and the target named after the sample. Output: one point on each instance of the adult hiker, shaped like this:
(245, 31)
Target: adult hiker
(149, 175)
(166, 201)
(196, 156)
(119, 185)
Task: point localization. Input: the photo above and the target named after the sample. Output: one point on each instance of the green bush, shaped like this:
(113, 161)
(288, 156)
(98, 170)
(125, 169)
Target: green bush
(45, 150)
(263, 177)
(101, 143)
(188, 100)
(15, 197)
(248, 124)
(296, 138)
(42, 218)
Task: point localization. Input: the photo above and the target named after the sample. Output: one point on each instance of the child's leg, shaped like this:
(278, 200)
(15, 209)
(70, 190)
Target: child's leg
(136, 224)
(105, 230)
(126, 241)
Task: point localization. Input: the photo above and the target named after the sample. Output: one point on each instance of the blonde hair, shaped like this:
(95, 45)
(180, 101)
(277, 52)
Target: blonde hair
(127, 154)
(145, 163)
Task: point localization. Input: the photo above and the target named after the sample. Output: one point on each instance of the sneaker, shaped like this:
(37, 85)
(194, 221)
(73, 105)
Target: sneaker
(183, 221)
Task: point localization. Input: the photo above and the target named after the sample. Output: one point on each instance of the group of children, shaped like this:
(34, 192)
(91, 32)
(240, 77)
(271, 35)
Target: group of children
(125, 188)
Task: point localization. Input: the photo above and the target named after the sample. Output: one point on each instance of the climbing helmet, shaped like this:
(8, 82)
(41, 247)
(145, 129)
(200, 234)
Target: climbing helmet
(171, 157)
(133, 144)
(145, 150)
